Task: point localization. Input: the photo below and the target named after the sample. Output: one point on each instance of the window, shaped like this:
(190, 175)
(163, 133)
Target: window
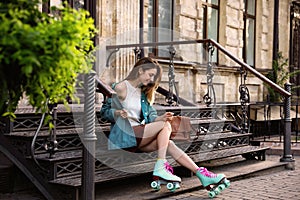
(77, 3)
(210, 21)
(160, 23)
(73, 3)
(161, 18)
(249, 32)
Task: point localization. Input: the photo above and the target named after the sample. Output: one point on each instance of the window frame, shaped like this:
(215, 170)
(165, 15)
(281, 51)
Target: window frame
(206, 5)
(155, 25)
(246, 17)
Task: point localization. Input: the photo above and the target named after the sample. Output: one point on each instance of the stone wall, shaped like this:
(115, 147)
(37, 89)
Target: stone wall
(119, 23)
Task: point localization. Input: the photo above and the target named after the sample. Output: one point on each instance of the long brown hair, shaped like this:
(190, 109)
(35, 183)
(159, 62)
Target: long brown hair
(147, 63)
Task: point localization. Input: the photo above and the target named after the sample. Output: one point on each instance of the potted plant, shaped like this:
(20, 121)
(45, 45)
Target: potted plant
(41, 55)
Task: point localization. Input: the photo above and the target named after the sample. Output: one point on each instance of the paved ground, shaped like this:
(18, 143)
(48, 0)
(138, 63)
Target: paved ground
(277, 183)
(282, 185)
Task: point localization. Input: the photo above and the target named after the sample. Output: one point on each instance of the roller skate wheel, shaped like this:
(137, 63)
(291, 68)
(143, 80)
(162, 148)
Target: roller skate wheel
(226, 183)
(221, 187)
(177, 185)
(217, 191)
(170, 186)
(211, 194)
(155, 185)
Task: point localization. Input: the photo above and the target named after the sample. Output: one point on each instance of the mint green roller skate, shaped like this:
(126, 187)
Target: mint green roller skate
(163, 175)
(214, 183)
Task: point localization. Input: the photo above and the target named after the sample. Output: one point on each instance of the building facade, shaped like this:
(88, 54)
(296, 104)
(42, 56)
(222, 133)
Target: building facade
(251, 30)
(243, 27)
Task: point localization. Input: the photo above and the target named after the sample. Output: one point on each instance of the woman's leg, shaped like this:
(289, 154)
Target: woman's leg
(181, 157)
(206, 177)
(156, 137)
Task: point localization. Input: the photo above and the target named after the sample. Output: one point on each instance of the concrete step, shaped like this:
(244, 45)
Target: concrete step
(276, 144)
(276, 148)
(235, 168)
(66, 166)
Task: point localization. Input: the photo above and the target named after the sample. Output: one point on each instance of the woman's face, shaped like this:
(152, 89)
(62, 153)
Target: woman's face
(147, 76)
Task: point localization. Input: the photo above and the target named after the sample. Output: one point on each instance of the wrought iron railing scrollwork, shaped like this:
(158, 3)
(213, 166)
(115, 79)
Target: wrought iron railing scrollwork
(171, 74)
(245, 100)
(137, 53)
(50, 144)
(210, 96)
(32, 146)
(110, 55)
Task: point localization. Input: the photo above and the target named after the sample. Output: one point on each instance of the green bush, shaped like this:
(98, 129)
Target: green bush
(280, 75)
(41, 55)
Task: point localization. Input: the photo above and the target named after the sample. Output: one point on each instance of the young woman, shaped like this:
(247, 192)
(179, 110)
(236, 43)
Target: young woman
(136, 127)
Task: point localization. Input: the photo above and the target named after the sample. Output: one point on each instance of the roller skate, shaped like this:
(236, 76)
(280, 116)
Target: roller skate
(163, 175)
(213, 183)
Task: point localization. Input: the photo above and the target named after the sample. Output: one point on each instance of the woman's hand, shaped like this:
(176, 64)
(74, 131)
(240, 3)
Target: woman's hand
(122, 113)
(165, 117)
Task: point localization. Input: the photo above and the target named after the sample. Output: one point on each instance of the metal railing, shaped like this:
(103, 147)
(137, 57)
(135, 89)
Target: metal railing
(244, 93)
(269, 127)
(215, 44)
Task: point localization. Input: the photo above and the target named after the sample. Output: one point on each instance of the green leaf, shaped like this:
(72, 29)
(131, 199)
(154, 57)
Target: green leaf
(42, 55)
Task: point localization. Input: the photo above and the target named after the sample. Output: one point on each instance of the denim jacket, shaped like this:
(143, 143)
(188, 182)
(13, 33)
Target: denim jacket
(121, 133)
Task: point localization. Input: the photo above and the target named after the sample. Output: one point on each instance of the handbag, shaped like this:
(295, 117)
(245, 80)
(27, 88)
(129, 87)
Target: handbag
(181, 128)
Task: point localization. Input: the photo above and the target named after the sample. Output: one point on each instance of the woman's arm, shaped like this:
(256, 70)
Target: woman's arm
(107, 112)
(154, 117)
(167, 116)
(121, 90)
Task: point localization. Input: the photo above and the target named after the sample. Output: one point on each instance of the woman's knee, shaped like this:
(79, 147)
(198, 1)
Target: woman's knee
(171, 145)
(167, 126)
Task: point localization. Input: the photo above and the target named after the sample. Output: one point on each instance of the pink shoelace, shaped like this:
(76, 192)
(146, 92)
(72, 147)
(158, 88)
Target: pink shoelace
(168, 167)
(206, 173)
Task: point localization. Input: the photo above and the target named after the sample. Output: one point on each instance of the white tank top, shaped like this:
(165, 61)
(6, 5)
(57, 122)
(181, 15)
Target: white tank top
(132, 103)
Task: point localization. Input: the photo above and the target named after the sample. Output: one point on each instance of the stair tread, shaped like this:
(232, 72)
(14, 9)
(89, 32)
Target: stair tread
(123, 172)
(209, 121)
(211, 155)
(60, 108)
(63, 131)
(103, 127)
(65, 155)
(220, 135)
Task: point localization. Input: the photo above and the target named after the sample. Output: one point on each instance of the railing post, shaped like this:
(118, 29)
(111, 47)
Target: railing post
(287, 156)
(89, 139)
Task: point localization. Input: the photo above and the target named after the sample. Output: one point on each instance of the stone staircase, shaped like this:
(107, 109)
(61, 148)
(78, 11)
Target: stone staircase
(62, 170)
